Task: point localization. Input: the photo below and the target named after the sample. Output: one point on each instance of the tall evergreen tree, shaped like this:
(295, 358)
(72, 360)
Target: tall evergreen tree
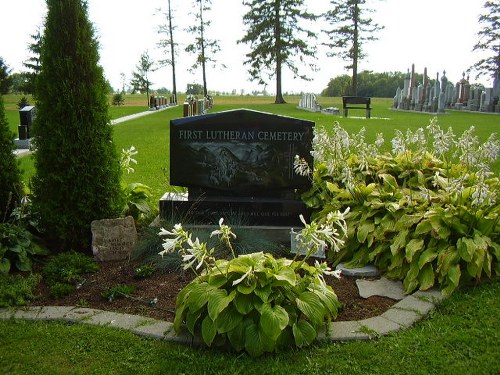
(33, 62)
(77, 169)
(351, 29)
(169, 45)
(489, 40)
(5, 78)
(140, 79)
(10, 177)
(276, 36)
(203, 47)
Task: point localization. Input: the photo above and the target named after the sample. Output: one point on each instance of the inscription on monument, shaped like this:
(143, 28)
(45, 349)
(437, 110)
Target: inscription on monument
(239, 152)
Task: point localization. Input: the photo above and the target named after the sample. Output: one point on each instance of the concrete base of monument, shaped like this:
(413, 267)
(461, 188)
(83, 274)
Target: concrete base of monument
(270, 218)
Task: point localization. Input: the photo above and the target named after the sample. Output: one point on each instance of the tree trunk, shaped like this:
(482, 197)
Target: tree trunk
(202, 42)
(355, 50)
(172, 51)
(277, 37)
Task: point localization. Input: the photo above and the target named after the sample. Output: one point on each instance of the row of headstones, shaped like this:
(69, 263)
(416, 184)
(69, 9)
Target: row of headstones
(309, 103)
(196, 107)
(159, 102)
(444, 95)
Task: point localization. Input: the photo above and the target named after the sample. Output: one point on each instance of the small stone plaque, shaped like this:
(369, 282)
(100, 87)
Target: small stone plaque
(113, 239)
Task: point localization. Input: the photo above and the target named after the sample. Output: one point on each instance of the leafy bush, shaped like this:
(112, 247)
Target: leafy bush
(17, 290)
(17, 247)
(63, 271)
(427, 213)
(255, 302)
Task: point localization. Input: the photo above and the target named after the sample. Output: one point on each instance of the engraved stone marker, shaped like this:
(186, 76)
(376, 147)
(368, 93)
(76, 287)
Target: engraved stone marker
(113, 239)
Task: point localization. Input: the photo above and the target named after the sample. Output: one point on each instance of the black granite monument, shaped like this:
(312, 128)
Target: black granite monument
(27, 115)
(238, 163)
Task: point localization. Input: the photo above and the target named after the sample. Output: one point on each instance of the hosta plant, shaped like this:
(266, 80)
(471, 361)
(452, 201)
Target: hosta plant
(255, 302)
(426, 213)
(17, 248)
(135, 194)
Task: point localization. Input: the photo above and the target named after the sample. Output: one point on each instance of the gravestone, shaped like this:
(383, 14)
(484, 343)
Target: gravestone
(27, 115)
(113, 239)
(239, 164)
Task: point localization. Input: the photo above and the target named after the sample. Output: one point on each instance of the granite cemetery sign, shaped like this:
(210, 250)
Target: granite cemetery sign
(238, 164)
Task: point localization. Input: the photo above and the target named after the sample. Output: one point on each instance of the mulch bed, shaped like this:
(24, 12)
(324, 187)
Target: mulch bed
(164, 287)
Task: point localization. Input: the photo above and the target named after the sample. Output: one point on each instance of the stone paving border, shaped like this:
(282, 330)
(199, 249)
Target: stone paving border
(401, 315)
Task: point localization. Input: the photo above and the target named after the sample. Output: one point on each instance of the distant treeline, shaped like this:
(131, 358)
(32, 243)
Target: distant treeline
(381, 85)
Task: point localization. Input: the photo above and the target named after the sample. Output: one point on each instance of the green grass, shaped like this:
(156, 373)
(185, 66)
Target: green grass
(460, 337)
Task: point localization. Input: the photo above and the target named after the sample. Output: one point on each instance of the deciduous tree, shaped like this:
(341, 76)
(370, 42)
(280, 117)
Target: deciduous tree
(276, 36)
(351, 29)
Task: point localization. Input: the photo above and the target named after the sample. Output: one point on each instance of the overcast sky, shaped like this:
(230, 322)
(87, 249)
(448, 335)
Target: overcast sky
(437, 34)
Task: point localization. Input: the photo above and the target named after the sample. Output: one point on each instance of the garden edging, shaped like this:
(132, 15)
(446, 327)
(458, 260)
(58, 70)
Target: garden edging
(400, 316)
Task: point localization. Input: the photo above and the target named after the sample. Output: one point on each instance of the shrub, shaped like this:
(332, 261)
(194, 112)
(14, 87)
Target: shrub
(11, 189)
(427, 213)
(60, 290)
(63, 271)
(254, 302)
(118, 99)
(17, 290)
(17, 248)
(77, 171)
(23, 102)
(144, 271)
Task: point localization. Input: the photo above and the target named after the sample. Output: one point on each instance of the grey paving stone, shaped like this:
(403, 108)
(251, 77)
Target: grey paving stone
(414, 304)
(367, 271)
(80, 314)
(30, 313)
(53, 312)
(404, 318)
(6, 313)
(380, 325)
(343, 331)
(113, 319)
(432, 295)
(156, 330)
(382, 287)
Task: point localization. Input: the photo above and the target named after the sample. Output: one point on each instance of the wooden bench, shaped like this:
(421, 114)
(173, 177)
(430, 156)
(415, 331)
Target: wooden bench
(349, 101)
